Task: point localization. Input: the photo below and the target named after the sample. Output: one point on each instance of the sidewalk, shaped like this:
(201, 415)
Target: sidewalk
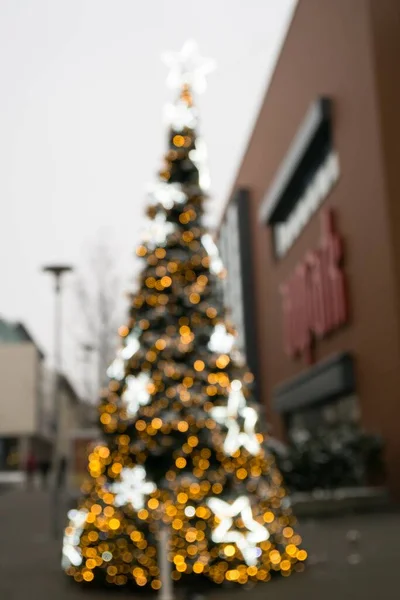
(30, 560)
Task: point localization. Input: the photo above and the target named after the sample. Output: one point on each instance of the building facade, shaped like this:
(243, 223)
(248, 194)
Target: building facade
(24, 420)
(322, 189)
(27, 402)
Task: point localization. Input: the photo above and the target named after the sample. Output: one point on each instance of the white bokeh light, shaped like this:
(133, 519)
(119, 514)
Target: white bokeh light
(190, 511)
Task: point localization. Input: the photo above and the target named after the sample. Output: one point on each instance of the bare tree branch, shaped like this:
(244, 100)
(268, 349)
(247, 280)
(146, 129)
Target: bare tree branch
(98, 294)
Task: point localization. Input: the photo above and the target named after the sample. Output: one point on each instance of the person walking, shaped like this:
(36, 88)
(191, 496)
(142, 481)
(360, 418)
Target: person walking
(44, 468)
(31, 467)
(62, 472)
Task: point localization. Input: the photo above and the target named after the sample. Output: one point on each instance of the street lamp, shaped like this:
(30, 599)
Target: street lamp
(57, 271)
(88, 349)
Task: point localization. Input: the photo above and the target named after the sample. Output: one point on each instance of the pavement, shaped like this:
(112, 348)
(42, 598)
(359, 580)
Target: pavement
(352, 557)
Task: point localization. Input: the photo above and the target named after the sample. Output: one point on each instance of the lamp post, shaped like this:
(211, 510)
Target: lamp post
(88, 350)
(166, 592)
(57, 271)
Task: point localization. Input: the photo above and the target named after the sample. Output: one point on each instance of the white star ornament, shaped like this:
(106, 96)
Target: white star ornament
(228, 416)
(136, 393)
(221, 341)
(246, 542)
(132, 487)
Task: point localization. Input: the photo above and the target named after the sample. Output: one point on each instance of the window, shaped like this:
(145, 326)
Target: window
(229, 243)
(235, 246)
(342, 411)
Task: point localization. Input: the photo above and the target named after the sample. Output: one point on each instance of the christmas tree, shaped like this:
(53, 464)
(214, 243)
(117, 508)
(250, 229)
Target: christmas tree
(182, 450)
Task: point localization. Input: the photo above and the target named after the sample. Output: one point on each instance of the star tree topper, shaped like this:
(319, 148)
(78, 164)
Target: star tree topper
(228, 415)
(246, 542)
(132, 487)
(187, 67)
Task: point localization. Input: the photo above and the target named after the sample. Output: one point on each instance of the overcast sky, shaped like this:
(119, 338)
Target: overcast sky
(82, 92)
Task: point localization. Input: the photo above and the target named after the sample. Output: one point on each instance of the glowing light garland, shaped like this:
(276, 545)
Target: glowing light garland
(216, 264)
(199, 156)
(246, 542)
(131, 347)
(167, 194)
(158, 231)
(228, 415)
(117, 368)
(221, 341)
(132, 488)
(180, 115)
(71, 553)
(136, 393)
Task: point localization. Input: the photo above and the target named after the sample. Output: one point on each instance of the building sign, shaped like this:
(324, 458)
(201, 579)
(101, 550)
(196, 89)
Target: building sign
(314, 300)
(319, 188)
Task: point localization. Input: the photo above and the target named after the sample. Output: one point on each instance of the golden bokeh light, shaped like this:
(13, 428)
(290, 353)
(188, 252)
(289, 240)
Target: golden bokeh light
(114, 524)
(178, 140)
(229, 550)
